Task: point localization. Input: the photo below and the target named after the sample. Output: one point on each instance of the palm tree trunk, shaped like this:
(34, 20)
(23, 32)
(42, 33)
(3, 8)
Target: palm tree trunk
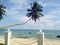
(14, 24)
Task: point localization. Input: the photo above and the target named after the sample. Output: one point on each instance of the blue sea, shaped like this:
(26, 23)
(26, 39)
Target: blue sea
(31, 33)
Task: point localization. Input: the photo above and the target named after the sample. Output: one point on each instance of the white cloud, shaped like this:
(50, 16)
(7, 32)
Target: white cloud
(57, 22)
(55, 12)
(47, 18)
(51, 4)
(51, 20)
(18, 1)
(47, 21)
(11, 12)
(19, 4)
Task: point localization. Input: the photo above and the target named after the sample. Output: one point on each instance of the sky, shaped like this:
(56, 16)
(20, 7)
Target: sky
(16, 11)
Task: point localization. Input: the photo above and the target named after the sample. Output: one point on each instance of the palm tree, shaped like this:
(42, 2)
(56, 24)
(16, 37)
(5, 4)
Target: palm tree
(2, 11)
(35, 11)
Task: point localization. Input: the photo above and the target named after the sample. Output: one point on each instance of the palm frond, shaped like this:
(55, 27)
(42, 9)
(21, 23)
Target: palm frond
(35, 11)
(2, 11)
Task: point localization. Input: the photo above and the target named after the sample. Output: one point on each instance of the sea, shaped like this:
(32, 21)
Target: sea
(51, 34)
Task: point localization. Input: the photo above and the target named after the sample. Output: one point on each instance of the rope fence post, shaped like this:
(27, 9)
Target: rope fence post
(40, 38)
(8, 37)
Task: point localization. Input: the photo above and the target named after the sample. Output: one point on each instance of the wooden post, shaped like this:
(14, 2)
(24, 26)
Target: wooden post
(40, 38)
(8, 37)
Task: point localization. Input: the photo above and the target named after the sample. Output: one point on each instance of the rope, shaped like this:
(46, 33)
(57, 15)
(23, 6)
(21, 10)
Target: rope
(24, 43)
(2, 39)
(18, 42)
(50, 42)
(33, 42)
(1, 36)
(29, 40)
(14, 24)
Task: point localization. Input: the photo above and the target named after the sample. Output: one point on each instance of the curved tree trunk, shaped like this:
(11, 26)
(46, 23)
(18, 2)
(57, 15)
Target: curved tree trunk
(14, 24)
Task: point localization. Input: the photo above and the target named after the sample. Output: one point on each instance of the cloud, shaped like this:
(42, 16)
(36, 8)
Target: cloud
(50, 4)
(19, 4)
(18, 1)
(46, 20)
(55, 12)
(11, 12)
(49, 21)
(52, 19)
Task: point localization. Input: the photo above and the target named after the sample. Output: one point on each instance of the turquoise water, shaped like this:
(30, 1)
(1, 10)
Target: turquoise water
(31, 33)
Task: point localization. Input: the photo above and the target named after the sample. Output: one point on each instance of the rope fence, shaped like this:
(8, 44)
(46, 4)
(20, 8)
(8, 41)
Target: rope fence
(2, 38)
(28, 41)
(24, 42)
(50, 42)
(39, 40)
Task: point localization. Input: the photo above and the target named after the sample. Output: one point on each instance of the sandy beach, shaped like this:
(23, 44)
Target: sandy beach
(30, 41)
